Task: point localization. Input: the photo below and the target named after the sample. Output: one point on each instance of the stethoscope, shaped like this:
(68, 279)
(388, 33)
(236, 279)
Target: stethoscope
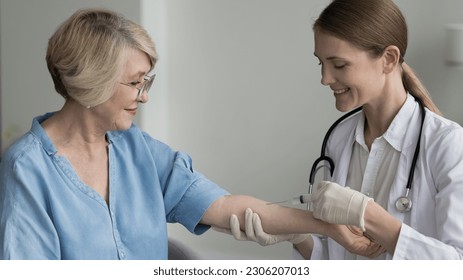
(403, 204)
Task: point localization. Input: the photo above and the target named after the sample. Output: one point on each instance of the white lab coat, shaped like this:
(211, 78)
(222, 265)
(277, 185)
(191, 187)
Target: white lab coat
(433, 229)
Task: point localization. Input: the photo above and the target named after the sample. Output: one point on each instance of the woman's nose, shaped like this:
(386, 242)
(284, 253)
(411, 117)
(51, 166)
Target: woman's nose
(327, 77)
(144, 97)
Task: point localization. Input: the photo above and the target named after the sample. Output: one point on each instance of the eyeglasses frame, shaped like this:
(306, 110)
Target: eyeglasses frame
(146, 85)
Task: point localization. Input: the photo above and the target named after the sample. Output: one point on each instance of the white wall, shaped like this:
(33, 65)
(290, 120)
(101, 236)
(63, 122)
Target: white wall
(237, 87)
(242, 85)
(427, 20)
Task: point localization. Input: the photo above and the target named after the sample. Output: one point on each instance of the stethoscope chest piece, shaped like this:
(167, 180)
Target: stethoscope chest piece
(403, 204)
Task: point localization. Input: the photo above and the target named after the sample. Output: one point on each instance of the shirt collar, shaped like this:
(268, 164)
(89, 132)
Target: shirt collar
(41, 135)
(359, 131)
(395, 132)
(46, 142)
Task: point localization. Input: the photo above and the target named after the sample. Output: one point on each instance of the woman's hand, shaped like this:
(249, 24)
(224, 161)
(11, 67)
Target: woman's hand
(335, 204)
(254, 231)
(354, 241)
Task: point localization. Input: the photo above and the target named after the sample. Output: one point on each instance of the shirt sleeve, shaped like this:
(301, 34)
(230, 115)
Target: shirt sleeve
(413, 245)
(188, 194)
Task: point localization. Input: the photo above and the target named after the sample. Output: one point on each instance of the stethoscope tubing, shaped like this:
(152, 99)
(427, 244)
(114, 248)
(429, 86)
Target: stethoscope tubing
(323, 157)
(403, 203)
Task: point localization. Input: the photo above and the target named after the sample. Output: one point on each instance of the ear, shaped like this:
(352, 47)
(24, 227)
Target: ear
(391, 57)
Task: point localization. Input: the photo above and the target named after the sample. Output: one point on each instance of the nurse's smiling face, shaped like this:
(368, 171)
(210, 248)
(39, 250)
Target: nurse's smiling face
(118, 112)
(354, 76)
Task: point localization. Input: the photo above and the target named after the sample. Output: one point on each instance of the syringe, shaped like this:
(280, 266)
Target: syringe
(300, 199)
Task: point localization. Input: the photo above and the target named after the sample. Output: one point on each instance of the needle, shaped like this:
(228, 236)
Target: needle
(300, 199)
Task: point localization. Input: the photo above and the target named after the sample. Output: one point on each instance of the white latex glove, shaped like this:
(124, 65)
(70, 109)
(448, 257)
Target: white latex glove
(335, 204)
(254, 232)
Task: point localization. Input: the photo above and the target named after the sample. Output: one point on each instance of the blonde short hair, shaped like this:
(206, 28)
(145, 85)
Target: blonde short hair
(86, 54)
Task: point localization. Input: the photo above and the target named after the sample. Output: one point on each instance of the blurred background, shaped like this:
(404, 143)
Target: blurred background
(237, 87)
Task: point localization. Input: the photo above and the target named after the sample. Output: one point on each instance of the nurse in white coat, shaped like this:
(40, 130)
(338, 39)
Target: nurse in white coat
(361, 47)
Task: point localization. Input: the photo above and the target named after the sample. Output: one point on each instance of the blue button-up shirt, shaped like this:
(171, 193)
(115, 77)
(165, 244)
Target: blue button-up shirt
(47, 212)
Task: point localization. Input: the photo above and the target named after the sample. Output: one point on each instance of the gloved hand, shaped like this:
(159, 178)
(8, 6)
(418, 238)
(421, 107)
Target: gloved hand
(254, 232)
(335, 204)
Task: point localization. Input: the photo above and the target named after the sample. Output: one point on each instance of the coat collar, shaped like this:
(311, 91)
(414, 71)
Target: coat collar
(399, 125)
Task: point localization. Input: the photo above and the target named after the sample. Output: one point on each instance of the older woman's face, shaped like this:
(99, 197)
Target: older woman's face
(122, 107)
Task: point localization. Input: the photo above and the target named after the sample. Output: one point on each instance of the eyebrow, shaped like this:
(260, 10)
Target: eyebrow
(330, 57)
(138, 75)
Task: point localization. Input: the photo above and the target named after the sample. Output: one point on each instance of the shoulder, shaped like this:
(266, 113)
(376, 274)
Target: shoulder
(442, 142)
(25, 149)
(437, 128)
(139, 144)
(136, 136)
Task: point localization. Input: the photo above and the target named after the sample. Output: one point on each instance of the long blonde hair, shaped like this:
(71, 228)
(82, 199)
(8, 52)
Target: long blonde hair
(85, 55)
(373, 25)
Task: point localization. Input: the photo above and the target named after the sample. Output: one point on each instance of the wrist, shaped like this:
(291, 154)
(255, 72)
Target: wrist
(382, 226)
(324, 228)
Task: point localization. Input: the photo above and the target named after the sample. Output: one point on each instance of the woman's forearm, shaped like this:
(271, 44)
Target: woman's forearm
(278, 220)
(382, 226)
(275, 219)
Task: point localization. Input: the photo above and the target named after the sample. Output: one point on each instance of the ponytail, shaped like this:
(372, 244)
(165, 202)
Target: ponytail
(416, 88)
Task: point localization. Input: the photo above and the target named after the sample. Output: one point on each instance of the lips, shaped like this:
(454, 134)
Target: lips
(132, 111)
(340, 91)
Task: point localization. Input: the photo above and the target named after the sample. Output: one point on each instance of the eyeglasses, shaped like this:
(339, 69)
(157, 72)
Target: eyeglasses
(145, 85)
